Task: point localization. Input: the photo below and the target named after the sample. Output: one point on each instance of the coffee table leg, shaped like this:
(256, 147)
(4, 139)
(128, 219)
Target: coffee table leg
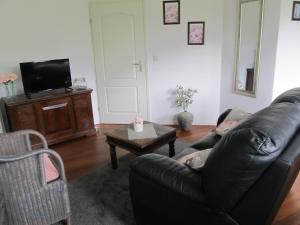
(172, 148)
(113, 156)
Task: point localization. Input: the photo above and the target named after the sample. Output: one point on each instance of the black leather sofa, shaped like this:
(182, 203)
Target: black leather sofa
(244, 181)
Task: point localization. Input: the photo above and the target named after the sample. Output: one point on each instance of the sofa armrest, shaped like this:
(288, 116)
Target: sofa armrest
(223, 116)
(210, 140)
(170, 174)
(207, 142)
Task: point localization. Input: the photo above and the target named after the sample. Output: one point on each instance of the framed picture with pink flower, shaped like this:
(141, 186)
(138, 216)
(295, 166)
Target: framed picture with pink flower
(196, 33)
(171, 12)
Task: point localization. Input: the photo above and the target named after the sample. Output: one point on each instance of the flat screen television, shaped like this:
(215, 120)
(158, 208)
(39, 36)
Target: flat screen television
(47, 75)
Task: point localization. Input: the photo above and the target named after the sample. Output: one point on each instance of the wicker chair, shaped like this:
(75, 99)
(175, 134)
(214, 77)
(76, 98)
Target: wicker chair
(25, 196)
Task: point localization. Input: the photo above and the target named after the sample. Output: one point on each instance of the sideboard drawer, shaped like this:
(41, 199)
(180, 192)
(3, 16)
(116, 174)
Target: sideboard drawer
(56, 118)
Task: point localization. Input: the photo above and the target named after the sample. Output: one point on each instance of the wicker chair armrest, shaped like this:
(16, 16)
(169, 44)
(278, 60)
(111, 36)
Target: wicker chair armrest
(53, 154)
(14, 137)
(28, 132)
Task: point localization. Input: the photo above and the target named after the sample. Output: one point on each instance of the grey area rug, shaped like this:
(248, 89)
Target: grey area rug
(102, 197)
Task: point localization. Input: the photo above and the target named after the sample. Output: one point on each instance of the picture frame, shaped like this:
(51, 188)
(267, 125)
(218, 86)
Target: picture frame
(171, 12)
(196, 33)
(296, 11)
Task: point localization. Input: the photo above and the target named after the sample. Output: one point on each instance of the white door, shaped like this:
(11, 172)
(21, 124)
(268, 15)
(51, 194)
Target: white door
(119, 49)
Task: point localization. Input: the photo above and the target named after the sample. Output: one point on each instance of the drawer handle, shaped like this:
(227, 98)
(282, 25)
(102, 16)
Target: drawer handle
(55, 106)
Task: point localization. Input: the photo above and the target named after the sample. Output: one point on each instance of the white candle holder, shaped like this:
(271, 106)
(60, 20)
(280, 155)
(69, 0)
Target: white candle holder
(138, 124)
(138, 127)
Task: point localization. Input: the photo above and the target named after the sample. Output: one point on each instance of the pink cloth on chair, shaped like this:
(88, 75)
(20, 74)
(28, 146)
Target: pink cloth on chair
(51, 172)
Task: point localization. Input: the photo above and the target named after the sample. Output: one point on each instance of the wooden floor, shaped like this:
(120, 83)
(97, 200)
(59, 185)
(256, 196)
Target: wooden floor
(83, 155)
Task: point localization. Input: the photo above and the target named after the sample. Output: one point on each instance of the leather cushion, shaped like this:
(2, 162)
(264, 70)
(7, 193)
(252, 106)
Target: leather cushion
(243, 154)
(170, 174)
(292, 96)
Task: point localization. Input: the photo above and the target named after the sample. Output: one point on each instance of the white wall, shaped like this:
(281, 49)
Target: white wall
(196, 67)
(287, 73)
(35, 30)
(42, 30)
(267, 61)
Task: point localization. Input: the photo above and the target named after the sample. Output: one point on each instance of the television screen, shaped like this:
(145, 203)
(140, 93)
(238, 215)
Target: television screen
(48, 75)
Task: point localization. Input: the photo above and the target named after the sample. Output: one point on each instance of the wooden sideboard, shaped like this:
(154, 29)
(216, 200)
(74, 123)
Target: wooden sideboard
(58, 115)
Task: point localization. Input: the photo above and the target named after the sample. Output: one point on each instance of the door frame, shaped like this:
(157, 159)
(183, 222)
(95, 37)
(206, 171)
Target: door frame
(94, 57)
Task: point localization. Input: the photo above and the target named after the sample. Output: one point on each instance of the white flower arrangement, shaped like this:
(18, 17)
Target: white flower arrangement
(8, 81)
(184, 97)
(7, 78)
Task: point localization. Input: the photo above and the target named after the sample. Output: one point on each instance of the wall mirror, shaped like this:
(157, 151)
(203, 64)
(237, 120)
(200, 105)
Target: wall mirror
(248, 46)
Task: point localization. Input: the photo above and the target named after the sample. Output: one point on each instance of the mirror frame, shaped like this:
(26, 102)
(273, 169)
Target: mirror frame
(237, 55)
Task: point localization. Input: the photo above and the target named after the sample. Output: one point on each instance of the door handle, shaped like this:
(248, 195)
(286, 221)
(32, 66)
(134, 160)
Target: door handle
(139, 64)
(55, 106)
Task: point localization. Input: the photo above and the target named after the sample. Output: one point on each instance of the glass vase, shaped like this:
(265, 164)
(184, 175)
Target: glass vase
(9, 88)
(79, 83)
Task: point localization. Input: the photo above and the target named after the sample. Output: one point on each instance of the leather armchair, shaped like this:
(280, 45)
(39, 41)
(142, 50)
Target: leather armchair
(244, 181)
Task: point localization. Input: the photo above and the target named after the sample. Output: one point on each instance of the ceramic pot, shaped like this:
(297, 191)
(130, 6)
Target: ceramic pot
(185, 120)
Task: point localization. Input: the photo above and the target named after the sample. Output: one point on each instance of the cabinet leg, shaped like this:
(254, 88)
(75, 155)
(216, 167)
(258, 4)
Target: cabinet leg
(172, 148)
(113, 156)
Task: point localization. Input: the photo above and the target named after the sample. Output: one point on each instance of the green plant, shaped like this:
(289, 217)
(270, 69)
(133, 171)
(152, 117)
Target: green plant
(184, 97)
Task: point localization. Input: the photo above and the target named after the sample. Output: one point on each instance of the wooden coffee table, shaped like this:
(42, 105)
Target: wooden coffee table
(119, 138)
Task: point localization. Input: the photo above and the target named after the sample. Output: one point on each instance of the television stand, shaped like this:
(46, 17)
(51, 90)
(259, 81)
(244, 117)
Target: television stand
(48, 92)
(57, 114)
